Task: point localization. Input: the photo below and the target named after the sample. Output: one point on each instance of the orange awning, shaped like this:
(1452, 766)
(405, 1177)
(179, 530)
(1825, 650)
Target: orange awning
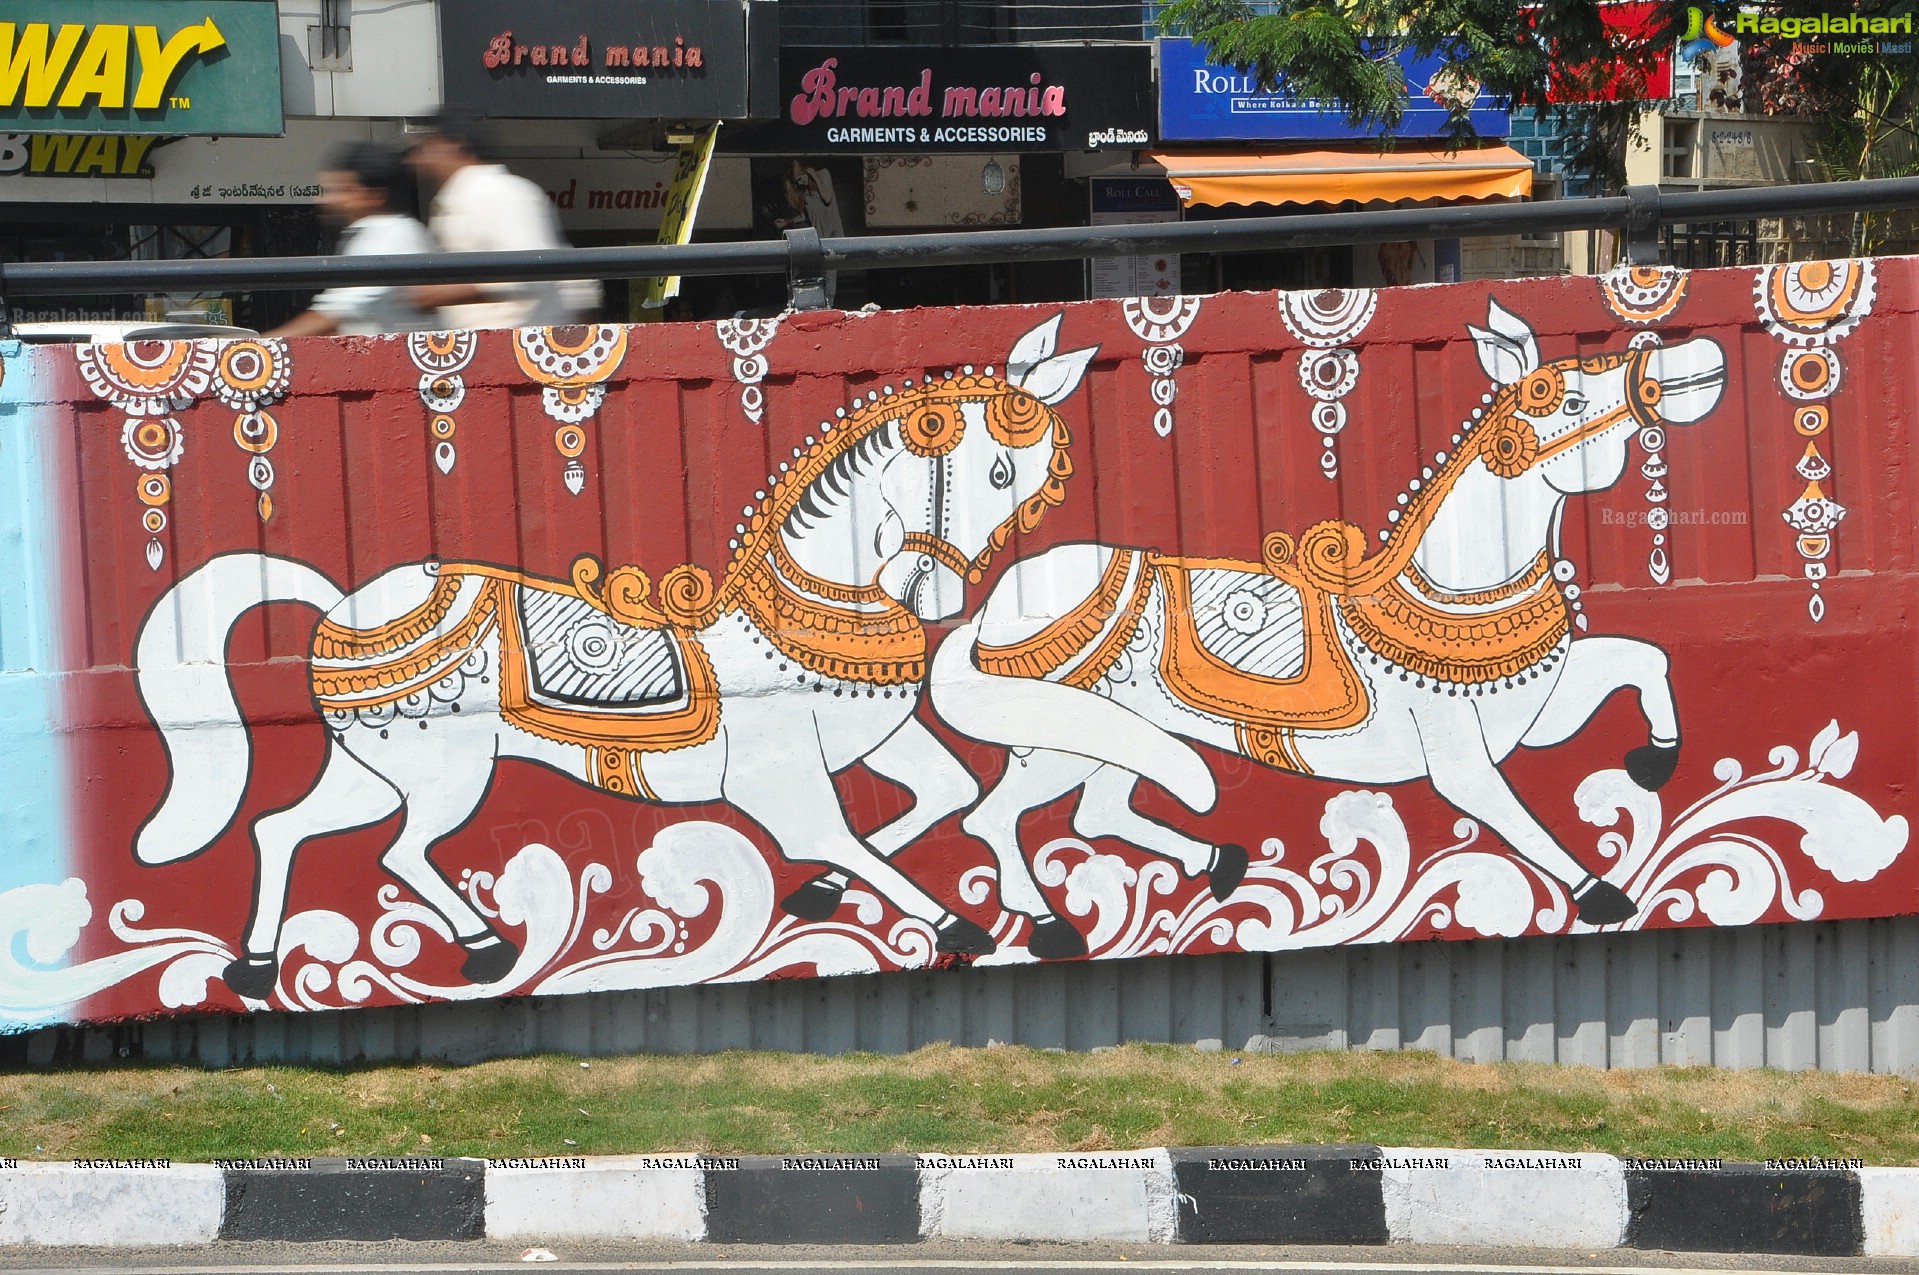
(1333, 177)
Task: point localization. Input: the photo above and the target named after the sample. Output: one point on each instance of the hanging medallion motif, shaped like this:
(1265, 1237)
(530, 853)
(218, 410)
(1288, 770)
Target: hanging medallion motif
(572, 365)
(150, 381)
(747, 340)
(1161, 322)
(1810, 306)
(441, 357)
(1646, 295)
(248, 377)
(1327, 321)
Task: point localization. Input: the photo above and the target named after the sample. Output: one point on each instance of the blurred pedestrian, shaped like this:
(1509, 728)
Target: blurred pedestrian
(479, 206)
(365, 191)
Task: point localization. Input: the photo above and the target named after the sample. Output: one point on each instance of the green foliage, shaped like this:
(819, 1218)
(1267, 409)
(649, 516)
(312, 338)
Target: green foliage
(1346, 52)
(1343, 52)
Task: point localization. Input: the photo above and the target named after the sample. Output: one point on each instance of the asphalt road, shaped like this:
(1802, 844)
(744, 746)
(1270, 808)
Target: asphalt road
(933, 1259)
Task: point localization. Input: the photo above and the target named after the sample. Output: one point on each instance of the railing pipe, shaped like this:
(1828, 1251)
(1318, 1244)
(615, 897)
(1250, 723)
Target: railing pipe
(805, 257)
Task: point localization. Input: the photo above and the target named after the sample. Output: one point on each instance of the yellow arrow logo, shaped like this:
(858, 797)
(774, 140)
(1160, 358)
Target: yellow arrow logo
(159, 66)
(35, 59)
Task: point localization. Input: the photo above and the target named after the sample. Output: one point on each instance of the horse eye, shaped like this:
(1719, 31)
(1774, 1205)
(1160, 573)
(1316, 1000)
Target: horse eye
(1002, 475)
(1575, 405)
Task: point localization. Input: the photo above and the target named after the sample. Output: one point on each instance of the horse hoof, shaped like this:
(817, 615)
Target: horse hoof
(1651, 766)
(1602, 903)
(1227, 871)
(817, 900)
(1054, 940)
(252, 977)
(488, 959)
(961, 937)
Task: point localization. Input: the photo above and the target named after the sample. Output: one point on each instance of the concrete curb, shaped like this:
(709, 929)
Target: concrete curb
(1353, 1195)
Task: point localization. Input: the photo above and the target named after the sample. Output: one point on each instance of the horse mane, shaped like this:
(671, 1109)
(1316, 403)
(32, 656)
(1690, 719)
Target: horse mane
(819, 478)
(834, 486)
(820, 475)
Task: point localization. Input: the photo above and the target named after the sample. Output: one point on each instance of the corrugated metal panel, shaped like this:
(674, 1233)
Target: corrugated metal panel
(1840, 996)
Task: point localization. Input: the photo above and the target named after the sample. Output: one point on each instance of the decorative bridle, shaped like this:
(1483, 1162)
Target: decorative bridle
(1413, 625)
(855, 632)
(1510, 444)
(1016, 419)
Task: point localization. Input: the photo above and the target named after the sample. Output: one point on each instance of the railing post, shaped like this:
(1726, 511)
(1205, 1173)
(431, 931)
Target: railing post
(805, 269)
(1642, 225)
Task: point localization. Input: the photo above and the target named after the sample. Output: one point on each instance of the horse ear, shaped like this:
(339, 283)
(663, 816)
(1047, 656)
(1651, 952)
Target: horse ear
(1054, 379)
(1035, 347)
(1507, 349)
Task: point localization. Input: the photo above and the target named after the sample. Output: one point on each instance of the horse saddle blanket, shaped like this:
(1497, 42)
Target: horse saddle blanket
(573, 673)
(1252, 648)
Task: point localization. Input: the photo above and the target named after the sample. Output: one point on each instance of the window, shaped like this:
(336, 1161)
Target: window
(1676, 148)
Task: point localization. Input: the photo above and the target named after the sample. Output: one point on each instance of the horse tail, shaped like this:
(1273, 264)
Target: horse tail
(180, 667)
(1022, 712)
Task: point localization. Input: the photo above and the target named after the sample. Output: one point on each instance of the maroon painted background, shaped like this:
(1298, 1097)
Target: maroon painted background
(671, 459)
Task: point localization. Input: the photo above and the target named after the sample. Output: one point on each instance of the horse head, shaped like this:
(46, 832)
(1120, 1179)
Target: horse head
(1570, 421)
(982, 456)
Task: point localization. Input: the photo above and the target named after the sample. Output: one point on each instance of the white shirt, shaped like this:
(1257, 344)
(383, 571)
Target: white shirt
(365, 311)
(484, 208)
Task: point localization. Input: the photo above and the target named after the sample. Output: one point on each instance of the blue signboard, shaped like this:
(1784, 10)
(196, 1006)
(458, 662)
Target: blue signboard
(1201, 102)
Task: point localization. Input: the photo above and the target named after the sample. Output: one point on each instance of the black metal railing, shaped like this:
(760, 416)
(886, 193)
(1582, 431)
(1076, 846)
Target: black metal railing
(804, 257)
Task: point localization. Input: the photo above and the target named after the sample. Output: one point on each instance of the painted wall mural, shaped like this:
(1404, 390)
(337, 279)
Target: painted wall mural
(1456, 612)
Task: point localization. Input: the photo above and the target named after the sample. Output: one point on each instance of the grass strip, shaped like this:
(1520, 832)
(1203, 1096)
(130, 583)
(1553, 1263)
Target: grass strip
(944, 1099)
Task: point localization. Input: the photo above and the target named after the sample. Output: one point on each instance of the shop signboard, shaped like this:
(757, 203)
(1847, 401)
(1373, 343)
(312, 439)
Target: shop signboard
(690, 170)
(1133, 201)
(631, 194)
(75, 155)
(609, 59)
(140, 66)
(1004, 98)
(1201, 101)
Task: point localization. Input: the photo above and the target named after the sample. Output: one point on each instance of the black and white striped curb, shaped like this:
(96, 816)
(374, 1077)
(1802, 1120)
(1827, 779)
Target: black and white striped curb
(1195, 1195)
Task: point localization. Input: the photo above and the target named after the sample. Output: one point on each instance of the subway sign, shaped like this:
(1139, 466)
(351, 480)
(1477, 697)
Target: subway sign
(175, 67)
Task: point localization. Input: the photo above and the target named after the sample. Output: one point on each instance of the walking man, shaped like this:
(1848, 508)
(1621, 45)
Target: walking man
(481, 207)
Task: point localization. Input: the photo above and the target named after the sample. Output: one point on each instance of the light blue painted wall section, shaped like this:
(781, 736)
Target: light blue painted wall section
(35, 840)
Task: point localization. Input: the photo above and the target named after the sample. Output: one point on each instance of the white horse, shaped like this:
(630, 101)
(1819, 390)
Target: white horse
(808, 657)
(1434, 657)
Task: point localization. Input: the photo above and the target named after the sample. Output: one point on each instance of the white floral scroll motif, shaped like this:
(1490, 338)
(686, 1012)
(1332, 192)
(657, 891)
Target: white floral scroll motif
(1712, 862)
(44, 922)
(1161, 322)
(1325, 320)
(747, 340)
(693, 871)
